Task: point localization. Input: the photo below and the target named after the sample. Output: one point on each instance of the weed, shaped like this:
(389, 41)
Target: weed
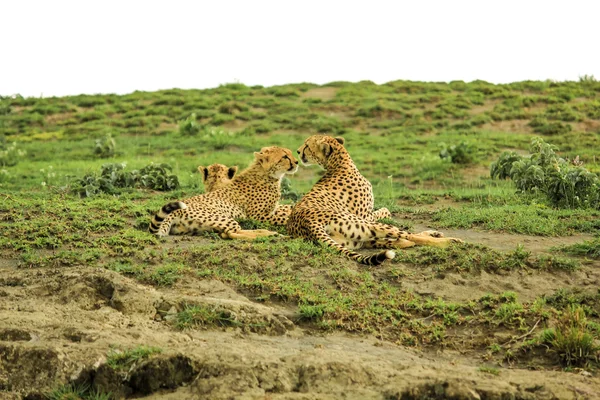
(203, 316)
(105, 147)
(462, 153)
(10, 154)
(588, 248)
(571, 340)
(489, 370)
(77, 392)
(125, 359)
(189, 126)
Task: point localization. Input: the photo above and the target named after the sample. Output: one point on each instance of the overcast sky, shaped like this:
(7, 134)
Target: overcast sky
(58, 47)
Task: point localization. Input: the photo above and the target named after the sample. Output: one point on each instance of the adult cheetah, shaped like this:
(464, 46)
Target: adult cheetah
(338, 210)
(253, 193)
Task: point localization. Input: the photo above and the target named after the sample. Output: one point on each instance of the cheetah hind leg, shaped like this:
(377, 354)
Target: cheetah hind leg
(436, 234)
(243, 234)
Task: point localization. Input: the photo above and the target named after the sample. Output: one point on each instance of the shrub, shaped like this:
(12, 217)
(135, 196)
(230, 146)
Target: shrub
(189, 126)
(463, 153)
(571, 339)
(114, 177)
(105, 147)
(564, 183)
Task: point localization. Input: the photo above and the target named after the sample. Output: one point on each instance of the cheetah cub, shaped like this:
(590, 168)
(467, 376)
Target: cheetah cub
(338, 210)
(253, 193)
(215, 176)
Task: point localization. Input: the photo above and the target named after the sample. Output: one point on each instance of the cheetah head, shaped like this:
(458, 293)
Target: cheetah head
(317, 149)
(276, 161)
(216, 176)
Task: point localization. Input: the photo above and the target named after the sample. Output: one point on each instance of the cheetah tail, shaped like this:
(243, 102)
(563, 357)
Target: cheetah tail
(164, 213)
(375, 259)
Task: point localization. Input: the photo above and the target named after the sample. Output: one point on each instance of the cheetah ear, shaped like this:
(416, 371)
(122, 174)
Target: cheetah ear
(204, 172)
(231, 171)
(326, 149)
(340, 140)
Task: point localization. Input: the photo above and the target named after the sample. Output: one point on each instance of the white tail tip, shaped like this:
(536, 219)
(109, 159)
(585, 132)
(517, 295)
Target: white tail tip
(182, 205)
(390, 254)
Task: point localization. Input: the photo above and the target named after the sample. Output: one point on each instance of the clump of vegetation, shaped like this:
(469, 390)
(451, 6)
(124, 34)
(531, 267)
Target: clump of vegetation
(114, 177)
(564, 183)
(202, 316)
(543, 126)
(571, 339)
(124, 359)
(76, 392)
(217, 138)
(10, 154)
(105, 147)
(287, 192)
(462, 153)
(189, 126)
(589, 248)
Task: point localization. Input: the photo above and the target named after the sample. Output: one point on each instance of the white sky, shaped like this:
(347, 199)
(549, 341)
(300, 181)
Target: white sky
(59, 47)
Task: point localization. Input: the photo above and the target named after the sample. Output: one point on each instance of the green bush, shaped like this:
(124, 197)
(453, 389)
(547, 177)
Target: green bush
(565, 184)
(105, 147)
(113, 177)
(463, 153)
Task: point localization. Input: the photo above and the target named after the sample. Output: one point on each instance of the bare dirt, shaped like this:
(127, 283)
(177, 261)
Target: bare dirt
(57, 325)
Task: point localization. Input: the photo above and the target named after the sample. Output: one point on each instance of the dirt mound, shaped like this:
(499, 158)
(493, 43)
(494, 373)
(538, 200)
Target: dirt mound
(60, 326)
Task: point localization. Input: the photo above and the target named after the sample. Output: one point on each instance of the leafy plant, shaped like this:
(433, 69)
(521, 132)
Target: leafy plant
(114, 177)
(105, 147)
(565, 184)
(463, 153)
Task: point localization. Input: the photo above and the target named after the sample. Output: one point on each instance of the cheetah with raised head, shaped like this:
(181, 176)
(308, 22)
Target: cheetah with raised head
(338, 210)
(215, 176)
(253, 193)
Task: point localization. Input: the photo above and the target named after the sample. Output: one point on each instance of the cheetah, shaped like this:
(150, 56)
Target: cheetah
(214, 176)
(253, 193)
(338, 210)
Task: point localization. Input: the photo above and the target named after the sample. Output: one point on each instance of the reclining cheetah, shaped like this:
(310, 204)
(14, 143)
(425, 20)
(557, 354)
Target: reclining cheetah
(253, 193)
(338, 210)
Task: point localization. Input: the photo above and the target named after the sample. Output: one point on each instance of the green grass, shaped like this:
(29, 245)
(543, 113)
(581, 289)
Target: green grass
(124, 359)
(76, 392)
(394, 133)
(588, 248)
(203, 316)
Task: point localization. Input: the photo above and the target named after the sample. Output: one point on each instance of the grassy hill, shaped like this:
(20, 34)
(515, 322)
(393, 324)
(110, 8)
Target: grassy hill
(426, 147)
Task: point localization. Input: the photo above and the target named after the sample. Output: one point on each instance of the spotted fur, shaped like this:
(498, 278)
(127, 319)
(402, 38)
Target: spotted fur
(338, 210)
(253, 193)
